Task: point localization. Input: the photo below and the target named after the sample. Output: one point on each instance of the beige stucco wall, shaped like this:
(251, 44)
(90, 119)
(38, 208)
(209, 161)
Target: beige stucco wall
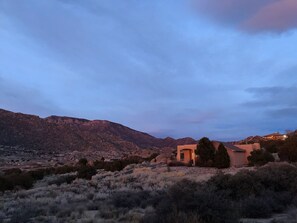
(237, 159)
(190, 154)
(249, 148)
(216, 144)
(187, 156)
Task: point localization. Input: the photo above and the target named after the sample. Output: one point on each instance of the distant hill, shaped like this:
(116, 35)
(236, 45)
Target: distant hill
(56, 134)
(251, 139)
(270, 137)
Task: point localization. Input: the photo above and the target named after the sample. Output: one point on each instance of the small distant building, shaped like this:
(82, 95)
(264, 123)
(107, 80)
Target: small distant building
(275, 136)
(238, 153)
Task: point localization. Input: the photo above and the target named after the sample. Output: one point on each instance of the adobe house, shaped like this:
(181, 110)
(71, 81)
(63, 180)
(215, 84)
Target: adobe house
(186, 153)
(238, 153)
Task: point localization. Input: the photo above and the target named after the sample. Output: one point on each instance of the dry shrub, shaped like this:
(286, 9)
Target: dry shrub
(14, 180)
(176, 163)
(63, 179)
(226, 198)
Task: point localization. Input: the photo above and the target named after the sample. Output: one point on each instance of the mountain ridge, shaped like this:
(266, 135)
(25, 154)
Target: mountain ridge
(69, 133)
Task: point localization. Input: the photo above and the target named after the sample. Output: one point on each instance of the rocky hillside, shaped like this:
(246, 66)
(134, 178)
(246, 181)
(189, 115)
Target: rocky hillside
(72, 134)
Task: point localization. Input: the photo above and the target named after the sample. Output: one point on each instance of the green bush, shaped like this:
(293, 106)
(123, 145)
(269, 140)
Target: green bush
(86, 172)
(206, 152)
(221, 159)
(239, 186)
(14, 180)
(116, 165)
(277, 177)
(64, 169)
(260, 157)
(272, 146)
(12, 171)
(5, 184)
(99, 164)
(83, 162)
(37, 174)
(288, 151)
(196, 200)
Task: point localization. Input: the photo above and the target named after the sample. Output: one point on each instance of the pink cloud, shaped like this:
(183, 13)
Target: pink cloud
(278, 16)
(252, 15)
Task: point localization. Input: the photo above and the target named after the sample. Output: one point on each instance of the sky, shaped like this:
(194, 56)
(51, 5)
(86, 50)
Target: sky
(225, 69)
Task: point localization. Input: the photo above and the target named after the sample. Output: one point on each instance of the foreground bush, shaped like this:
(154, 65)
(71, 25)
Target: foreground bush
(226, 198)
(195, 202)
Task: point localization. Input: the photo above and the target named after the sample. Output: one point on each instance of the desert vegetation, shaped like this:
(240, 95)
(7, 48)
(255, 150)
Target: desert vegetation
(136, 190)
(16, 178)
(150, 192)
(228, 198)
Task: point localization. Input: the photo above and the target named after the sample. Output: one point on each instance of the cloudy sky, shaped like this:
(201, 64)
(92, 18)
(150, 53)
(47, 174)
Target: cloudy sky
(225, 69)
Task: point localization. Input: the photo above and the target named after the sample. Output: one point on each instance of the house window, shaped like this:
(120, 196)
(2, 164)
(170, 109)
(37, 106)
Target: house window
(182, 156)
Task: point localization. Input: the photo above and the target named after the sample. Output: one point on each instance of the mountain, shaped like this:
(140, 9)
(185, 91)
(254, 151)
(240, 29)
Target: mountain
(170, 142)
(56, 134)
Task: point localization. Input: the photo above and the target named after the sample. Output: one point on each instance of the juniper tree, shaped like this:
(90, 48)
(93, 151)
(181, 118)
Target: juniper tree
(260, 157)
(222, 159)
(206, 152)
